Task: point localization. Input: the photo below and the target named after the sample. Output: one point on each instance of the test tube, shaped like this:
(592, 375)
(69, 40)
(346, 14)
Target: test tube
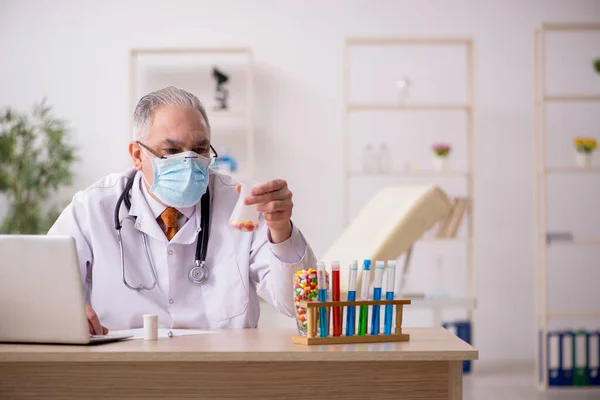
(364, 295)
(375, 321)
(335, 282)
(389, 295)
(351, 311)
(322, 296)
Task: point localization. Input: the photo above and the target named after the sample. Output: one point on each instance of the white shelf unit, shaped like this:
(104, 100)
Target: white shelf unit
(467, 303)
(247, 113)
(542, 171)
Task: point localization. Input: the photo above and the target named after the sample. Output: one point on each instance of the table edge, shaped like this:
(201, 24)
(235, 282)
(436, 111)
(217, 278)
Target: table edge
(10, 357)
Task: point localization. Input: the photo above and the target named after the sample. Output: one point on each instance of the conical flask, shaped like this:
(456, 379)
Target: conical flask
(244, 217)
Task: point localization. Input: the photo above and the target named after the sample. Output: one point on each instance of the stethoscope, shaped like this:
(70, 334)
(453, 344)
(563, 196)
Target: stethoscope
(199, 272)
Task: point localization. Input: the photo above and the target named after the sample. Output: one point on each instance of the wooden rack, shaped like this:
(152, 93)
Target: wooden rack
(311, 337)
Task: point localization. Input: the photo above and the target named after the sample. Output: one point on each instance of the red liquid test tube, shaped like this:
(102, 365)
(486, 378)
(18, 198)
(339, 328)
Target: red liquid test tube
(337, 311)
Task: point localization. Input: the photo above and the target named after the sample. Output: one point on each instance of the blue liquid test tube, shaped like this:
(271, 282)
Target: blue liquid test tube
(351, 312)
(322, 286)
(375, 321)
(389, 295)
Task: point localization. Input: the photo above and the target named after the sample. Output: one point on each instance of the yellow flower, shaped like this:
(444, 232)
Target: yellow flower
(584, 144)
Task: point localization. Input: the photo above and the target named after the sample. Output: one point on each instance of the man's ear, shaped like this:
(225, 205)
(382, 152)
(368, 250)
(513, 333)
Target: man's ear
(136, 155)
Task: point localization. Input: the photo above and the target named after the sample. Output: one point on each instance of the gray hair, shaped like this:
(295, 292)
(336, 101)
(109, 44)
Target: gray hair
(170, 97)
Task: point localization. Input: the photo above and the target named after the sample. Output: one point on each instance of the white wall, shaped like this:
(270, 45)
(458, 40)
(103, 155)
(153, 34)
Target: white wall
(76, 53)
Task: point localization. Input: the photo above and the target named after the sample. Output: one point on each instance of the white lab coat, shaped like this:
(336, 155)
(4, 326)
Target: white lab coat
(242, 266)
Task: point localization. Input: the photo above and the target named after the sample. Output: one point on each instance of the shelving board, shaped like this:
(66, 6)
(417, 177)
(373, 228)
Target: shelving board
(575, 242)
(571, 170)
(428, 173)
(408, 107)
(573, 313)
(573, 98)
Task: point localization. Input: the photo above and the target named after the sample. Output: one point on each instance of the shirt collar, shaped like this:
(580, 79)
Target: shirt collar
(157, 208)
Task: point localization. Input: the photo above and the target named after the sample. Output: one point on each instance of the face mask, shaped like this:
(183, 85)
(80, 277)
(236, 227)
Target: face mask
(180, 180)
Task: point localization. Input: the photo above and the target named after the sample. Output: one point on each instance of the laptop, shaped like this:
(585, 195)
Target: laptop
(41, 294)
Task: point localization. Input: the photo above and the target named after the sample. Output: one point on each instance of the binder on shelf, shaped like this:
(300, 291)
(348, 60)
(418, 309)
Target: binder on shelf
(457, 217)
(443, 224)
(580, 358)
(594, 358)
(462, 329)
(464, 332)
(451, 327)
(448, 227)
(566, 365)
(554, 356)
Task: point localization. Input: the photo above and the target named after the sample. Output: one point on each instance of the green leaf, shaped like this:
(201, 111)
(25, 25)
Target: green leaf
(35, 161)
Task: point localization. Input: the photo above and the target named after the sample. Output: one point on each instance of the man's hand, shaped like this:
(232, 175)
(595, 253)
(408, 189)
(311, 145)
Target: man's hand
(274, 200)
(95, 327)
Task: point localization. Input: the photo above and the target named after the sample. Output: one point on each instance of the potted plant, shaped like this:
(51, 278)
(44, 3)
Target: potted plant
(35, 161)
(584, 148)
(442, 153)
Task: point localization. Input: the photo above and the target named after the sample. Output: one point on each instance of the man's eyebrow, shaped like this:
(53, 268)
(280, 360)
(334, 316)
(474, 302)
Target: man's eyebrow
(172, 142)
(176, 143)
(201, 142)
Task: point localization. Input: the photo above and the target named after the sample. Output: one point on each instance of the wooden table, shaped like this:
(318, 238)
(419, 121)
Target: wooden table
(239, 364)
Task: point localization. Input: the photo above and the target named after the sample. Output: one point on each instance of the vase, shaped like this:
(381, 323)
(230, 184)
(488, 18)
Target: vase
(441, 163)
(583, 159)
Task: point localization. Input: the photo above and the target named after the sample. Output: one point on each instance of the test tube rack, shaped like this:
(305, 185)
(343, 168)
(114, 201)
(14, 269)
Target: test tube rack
(312, 310)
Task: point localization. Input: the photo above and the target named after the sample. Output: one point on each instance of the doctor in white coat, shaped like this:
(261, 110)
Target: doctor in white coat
(171, 154)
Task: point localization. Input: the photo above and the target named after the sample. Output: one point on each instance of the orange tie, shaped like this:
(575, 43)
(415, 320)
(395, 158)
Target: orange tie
(169, 217)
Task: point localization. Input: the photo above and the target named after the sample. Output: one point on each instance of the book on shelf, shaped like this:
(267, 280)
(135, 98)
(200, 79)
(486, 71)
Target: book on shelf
(448, 227)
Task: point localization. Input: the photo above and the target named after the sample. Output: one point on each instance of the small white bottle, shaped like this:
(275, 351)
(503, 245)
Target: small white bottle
(244, 217)
(403, 84)
(384, 159)
(369, 159)
(150, 327)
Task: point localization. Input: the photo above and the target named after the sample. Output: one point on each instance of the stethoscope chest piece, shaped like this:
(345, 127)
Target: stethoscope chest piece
(199, 273)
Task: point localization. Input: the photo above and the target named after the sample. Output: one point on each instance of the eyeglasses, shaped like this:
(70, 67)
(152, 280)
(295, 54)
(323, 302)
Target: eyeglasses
(210, 154)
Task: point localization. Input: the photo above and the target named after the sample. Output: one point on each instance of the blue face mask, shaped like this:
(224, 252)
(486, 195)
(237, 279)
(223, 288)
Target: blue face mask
(180, 180)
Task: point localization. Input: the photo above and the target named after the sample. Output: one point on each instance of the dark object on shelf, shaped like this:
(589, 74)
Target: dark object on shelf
(461, 329)
(221, 91)
(559, 237)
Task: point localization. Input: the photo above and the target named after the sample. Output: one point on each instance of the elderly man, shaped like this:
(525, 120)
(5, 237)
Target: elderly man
(156, 240)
